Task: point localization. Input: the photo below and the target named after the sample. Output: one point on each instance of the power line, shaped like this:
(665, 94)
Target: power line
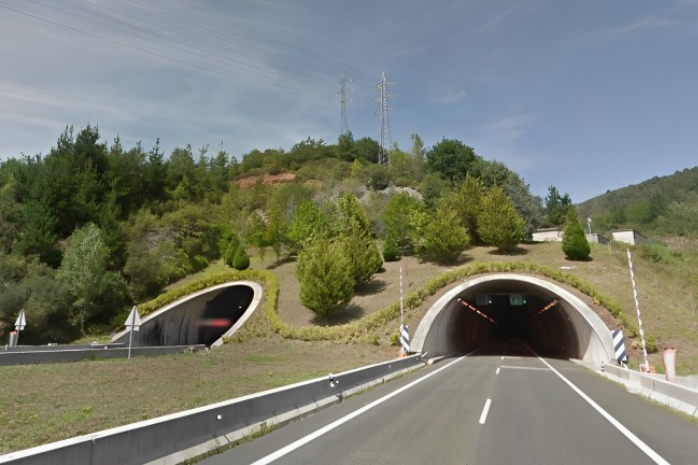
(246, 69)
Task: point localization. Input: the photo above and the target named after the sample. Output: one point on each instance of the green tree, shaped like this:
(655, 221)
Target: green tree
(396, 218)
(444, 237)
(574, 244)
(364, 258)
(36, 232)
(325, 276)
(97, 292)
(345, 147)
(467, 203)
(452, 159)
(241, 261)
(307, 220)
(390, 251)
(499, 224)
(417, 153)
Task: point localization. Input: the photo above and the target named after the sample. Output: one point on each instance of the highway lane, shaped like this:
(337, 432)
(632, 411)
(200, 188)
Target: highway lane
(439, 415)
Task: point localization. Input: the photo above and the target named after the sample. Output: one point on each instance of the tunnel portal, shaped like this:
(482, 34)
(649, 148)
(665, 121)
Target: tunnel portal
(203, 317)
(513, 308)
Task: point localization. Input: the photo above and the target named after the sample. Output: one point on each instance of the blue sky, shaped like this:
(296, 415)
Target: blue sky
(587, 96)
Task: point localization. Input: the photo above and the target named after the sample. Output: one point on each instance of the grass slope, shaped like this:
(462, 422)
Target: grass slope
(45, 403)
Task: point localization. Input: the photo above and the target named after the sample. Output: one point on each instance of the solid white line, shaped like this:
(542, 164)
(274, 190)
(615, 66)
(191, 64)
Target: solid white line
(485, 411)
(656, 458)
(326, 429)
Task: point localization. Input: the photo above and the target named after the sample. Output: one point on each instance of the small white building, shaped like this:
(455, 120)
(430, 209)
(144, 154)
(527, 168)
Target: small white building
(548, 235)
(628, 236)
(556, 235)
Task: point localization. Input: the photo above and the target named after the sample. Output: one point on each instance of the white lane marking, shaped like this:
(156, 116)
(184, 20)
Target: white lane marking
(656, 458)
(326, 429)
(524, 368)
(498, 368)
(485, 411)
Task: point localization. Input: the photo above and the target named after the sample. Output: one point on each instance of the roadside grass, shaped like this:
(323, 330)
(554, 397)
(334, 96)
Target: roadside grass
(284, 343)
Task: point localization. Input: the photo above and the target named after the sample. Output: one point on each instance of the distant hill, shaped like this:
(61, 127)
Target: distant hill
(661, 206)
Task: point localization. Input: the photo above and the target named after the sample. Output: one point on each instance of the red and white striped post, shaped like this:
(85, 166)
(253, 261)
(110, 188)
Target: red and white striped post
(637, 307)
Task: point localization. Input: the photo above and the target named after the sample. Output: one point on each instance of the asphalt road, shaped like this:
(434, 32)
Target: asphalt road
(486, 408)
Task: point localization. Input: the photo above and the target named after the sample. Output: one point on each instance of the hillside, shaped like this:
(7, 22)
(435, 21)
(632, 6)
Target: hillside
(662, 206)
(44, 403)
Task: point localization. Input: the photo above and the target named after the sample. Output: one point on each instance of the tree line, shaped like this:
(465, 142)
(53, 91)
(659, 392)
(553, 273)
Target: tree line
(92, 227)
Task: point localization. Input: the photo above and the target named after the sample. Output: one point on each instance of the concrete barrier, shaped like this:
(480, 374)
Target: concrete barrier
(672, 395)
(177, 437)
(64, 354)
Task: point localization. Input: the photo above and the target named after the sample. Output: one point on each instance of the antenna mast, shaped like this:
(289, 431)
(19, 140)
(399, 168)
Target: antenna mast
(385, 124)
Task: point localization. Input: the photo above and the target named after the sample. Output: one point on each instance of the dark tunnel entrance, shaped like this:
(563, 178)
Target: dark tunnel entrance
(199, 319)
(502, 310)
(509, 312)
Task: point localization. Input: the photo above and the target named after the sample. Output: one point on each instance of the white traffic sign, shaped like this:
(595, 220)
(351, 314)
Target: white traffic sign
(133, 322)
(134, 319)
(21, 321)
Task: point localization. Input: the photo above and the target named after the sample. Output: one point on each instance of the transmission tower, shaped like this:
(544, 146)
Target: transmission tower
(344, 89)
(385, 124)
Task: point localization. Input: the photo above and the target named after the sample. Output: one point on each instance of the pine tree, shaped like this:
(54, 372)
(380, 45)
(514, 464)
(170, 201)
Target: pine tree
(390, 248)
(325, 276)
(241, 260)
(444, 237)
(574, 244)
(498, 223)
(230, 251)
(364, 258)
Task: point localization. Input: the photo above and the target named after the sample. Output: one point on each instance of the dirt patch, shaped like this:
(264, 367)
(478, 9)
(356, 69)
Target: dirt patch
(267, 180)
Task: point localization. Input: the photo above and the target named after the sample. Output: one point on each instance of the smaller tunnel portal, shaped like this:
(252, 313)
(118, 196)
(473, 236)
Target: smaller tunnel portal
(202, 319)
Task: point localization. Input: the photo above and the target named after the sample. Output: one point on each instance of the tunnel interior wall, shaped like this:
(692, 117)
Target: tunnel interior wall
(204, 317)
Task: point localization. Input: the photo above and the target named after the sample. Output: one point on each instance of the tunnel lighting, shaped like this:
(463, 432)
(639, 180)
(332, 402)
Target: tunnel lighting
(547, 307)
(469, 306)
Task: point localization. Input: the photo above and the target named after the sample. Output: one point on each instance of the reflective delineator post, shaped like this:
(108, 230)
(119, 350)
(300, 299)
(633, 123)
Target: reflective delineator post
(670, 365)
(637, 307)
(404, 330)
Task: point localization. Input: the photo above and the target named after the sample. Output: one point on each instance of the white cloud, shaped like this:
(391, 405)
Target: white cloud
(452, 96)
(644, 24)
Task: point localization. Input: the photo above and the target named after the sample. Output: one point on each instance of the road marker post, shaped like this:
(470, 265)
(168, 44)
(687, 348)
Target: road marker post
(637, 308)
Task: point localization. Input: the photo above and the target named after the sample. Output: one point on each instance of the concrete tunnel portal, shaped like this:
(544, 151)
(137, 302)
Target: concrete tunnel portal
(201, 318)
(513, 307)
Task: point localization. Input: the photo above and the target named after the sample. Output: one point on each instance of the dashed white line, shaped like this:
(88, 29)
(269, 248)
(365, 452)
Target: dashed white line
(485, 411)
(498, 368)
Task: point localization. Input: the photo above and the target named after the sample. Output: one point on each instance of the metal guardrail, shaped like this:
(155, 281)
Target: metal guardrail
(672, 395)
(66, 353)
(178, 437)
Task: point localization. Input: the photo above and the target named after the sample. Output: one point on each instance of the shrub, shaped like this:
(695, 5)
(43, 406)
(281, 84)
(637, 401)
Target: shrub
(390, 249)
(325, 275)
(241, 261)
(574, 244)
